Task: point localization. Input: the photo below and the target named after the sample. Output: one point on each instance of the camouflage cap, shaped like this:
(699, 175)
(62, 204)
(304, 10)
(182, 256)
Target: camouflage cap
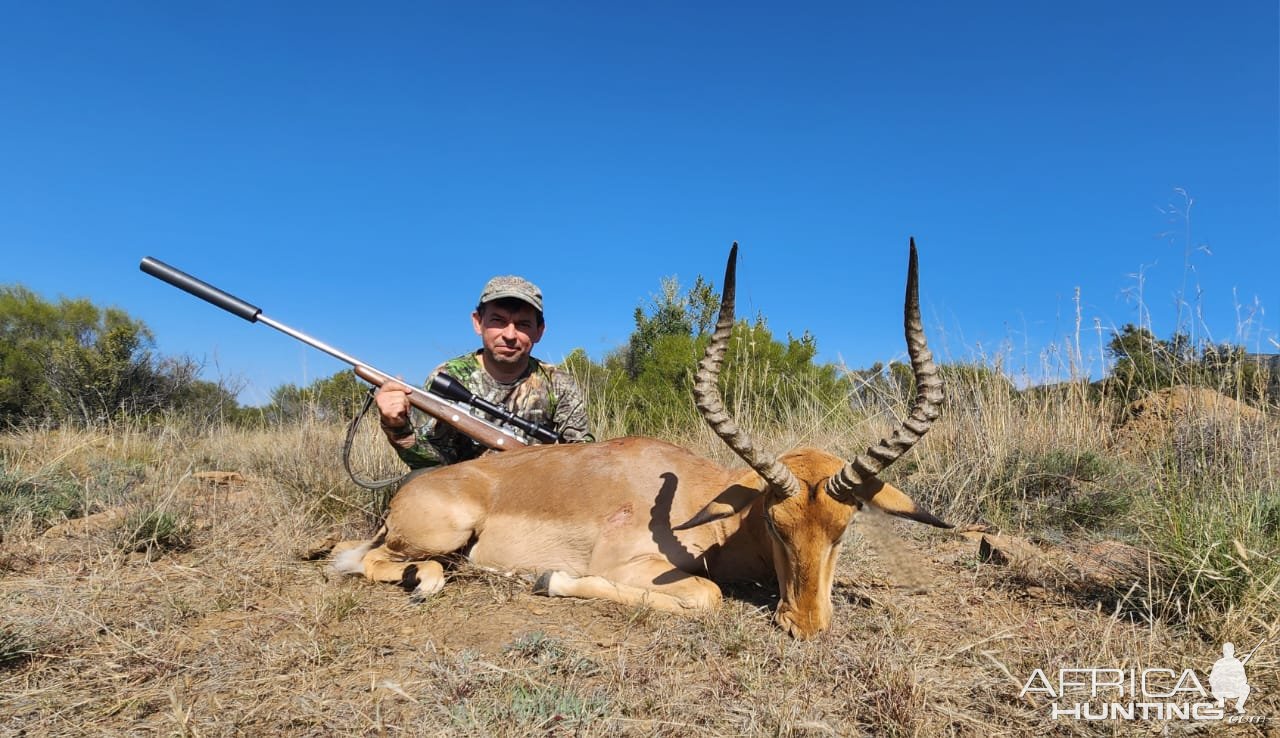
(512, 286)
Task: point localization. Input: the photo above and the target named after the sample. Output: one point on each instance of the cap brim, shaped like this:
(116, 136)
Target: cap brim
(521, 297)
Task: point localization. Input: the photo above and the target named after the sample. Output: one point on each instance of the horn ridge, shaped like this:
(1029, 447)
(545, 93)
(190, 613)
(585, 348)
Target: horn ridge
(925, 407)
(706, 393)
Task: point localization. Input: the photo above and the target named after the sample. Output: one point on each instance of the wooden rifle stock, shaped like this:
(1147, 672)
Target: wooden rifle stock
(447, 412)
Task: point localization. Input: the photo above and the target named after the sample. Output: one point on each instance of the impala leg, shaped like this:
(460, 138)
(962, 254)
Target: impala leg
(650, 581)
(424, 577)
(422, 528)
(379, 563)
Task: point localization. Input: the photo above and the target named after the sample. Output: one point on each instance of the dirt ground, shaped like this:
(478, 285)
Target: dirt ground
(238, 634)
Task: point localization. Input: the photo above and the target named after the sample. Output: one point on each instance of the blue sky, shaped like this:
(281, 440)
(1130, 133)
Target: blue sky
(360, 173)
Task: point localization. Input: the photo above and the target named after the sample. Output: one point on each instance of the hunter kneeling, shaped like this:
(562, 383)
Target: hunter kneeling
(509, 321)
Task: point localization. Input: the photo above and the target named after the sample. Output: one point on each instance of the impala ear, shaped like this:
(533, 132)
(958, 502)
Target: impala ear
(728, 502)
(895, 502)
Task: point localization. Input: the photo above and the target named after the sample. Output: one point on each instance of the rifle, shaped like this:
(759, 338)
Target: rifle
(445, 400)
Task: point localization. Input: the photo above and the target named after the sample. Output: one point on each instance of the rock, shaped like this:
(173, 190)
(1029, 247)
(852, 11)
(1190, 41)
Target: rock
(78, 527)
(1110, 565)
(219, 478)
(1005, 550)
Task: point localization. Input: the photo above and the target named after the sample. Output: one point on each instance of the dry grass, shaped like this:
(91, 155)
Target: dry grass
(224, 628)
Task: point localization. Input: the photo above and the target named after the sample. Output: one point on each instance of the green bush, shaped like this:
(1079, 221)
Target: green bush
(645, 387)
(1144, 363)
(72, 362)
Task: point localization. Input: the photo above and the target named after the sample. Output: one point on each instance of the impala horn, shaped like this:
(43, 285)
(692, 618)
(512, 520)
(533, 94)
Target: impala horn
(924, 408)
(707, 395)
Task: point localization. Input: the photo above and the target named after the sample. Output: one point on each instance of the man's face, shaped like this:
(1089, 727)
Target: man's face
(508, 332)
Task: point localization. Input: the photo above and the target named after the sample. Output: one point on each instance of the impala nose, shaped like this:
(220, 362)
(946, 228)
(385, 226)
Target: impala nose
(799, 625)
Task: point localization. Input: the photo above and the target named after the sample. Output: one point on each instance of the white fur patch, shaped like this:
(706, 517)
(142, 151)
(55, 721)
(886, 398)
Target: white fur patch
(351, 561)
(428, 586)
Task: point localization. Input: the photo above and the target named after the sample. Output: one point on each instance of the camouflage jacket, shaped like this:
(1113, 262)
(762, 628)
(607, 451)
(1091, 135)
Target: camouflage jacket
(544, 394)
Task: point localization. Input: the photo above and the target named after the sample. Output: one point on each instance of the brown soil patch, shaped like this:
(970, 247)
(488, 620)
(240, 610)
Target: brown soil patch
(1149, 421)
(89, 524)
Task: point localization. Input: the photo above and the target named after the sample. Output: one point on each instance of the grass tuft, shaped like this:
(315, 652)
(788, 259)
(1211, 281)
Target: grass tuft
(17, 646)
(44, 498)
(154, 529)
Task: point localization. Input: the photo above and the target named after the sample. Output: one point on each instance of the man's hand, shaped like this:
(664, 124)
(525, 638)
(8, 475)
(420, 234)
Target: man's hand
(393, 407)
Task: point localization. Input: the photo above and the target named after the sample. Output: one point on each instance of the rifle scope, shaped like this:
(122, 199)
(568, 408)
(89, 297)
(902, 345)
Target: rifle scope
(451, 389)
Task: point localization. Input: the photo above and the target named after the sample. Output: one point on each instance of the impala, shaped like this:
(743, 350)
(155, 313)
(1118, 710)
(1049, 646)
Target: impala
(644, 522)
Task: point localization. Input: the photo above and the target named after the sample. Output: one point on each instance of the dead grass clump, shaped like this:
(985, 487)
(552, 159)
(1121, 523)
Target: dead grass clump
(17, 645)
(1059, 492)
(302, 461)
(1209, 449)
(50, 477)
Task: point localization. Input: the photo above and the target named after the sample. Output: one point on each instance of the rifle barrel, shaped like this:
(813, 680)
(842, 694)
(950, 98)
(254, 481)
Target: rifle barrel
(488, 434)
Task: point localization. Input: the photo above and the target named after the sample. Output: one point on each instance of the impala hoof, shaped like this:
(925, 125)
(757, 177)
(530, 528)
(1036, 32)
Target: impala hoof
(423, 580)
(409, 577)
(543, 585)
(425, 590)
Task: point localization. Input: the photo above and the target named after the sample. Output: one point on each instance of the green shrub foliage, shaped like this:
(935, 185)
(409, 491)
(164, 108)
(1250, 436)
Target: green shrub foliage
(337, 397)
(646, 385)
(72, 362)
(1144, 363)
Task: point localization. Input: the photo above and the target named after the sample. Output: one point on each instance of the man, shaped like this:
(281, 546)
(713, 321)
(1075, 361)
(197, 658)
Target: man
(509, 321)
